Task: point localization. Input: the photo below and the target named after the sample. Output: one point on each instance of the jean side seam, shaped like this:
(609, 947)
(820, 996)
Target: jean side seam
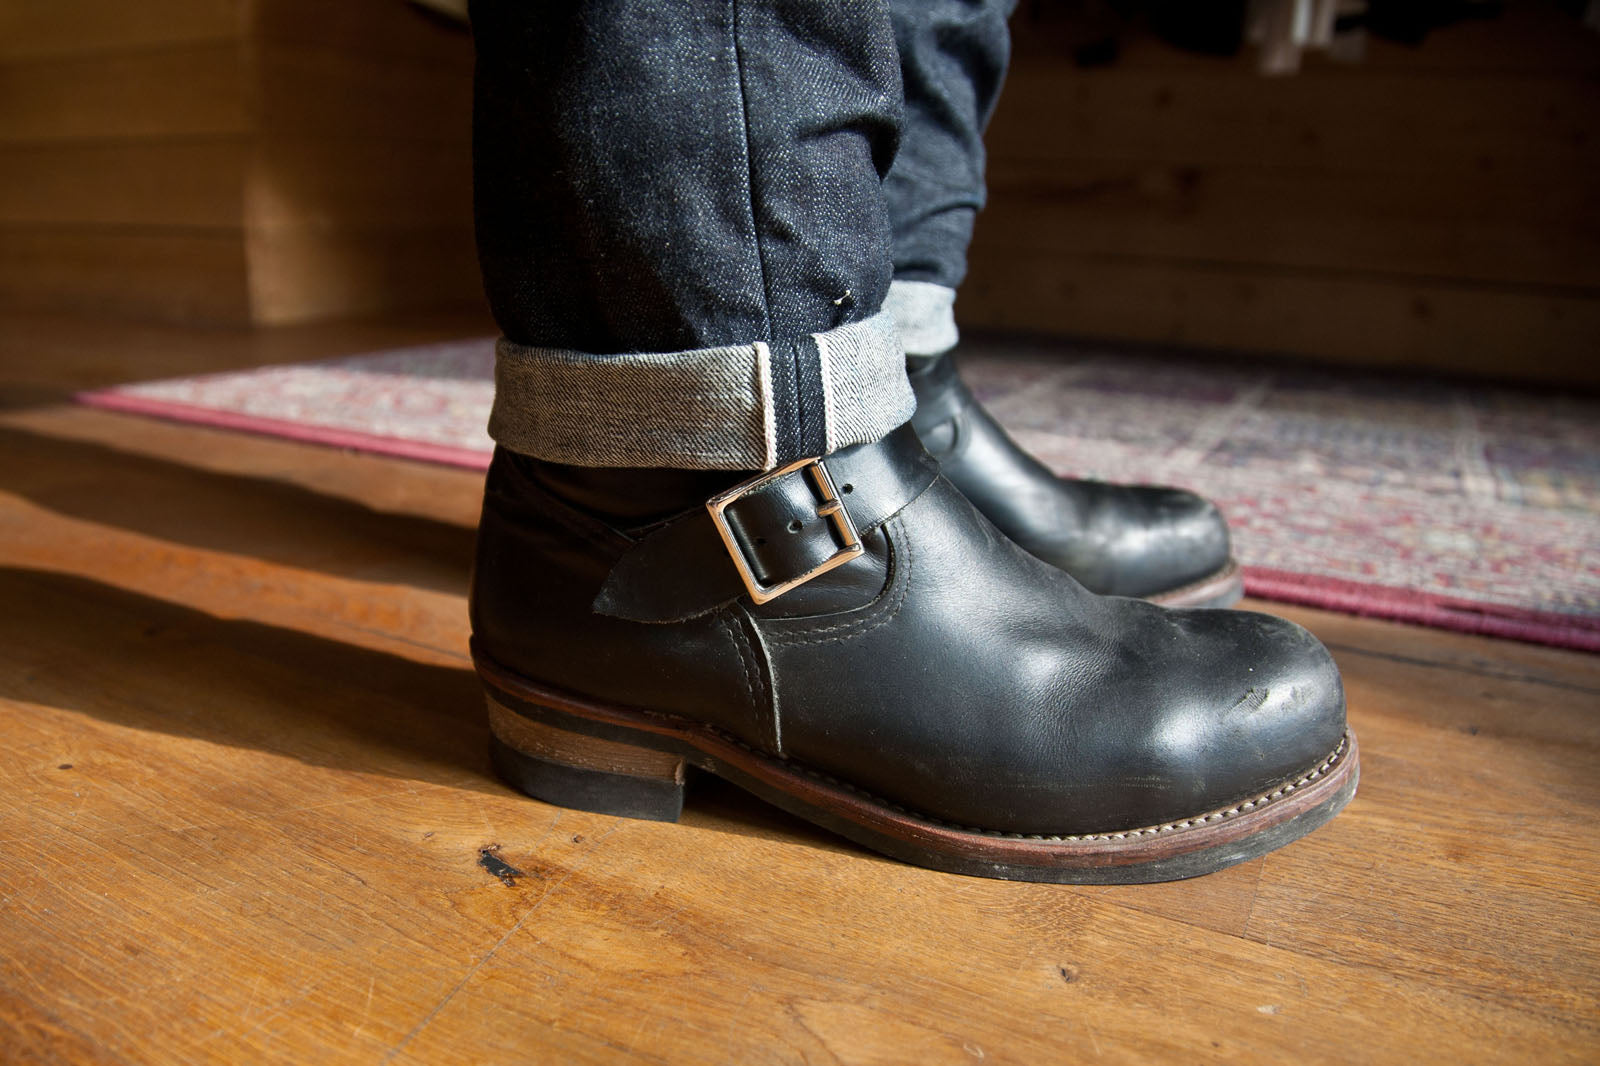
(749, 164)
(788, 448)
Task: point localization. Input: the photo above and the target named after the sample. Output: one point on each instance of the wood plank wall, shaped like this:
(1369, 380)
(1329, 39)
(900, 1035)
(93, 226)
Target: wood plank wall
(125, 132)
(233, 161)
(275, 161)
(360, 199)
(1433, 207)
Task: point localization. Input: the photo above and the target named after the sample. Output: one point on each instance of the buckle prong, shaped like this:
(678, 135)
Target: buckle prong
(830, 507)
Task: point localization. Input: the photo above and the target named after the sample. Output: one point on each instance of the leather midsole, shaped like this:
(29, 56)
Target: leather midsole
(716, 752)
(1197, 593)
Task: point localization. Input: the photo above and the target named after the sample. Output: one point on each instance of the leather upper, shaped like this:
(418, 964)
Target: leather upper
(944, 670)
(1122, 540)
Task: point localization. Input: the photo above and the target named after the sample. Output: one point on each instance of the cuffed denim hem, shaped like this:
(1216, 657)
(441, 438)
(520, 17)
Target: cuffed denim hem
(925, 315)
(706, 409)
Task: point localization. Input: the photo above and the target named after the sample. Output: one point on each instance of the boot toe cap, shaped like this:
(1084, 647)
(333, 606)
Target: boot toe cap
(1246, 703)
(1162, 539)
(1270, 705)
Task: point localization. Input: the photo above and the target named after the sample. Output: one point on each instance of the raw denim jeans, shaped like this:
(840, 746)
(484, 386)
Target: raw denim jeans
(953, 56)
(684, 223)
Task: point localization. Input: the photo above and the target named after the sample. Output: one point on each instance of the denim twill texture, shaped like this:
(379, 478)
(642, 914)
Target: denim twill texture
(685, 177)
(724, 412)
(673, 176)
(925, 315)
(953, 56)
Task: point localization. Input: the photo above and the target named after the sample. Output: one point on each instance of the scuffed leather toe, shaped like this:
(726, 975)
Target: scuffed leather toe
(1278, 703)
(1212, 707)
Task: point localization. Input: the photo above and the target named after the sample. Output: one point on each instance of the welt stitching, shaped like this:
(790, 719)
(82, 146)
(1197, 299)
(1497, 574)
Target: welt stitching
(1227, 571)
(1218, 815)
(1221, 814)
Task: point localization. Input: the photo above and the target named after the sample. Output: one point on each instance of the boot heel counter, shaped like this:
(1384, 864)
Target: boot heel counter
(490, 551)
(531, 573)
(540, 564)
(585, 772)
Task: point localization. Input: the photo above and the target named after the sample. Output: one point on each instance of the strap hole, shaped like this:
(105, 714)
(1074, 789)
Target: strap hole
(847, 489)
(796, 526)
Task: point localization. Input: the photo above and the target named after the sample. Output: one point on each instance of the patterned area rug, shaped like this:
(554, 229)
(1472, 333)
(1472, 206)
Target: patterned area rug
(1461, 506)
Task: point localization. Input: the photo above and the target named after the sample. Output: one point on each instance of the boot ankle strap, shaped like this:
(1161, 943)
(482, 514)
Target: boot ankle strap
(770, 534)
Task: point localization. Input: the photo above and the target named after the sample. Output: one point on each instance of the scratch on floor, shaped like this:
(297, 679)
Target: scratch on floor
(448, 996)
(498, 944)
(271, 1016)
(1255, 894)
(733, 1018)
(1094, 1039)
(366, 1011)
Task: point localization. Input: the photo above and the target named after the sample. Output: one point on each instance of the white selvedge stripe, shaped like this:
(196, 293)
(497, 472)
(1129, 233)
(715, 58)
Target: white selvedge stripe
(825, 364)
(769, 410)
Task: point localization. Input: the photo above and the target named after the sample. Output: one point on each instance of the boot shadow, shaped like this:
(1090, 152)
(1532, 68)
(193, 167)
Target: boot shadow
(259, 517)
(146, 664)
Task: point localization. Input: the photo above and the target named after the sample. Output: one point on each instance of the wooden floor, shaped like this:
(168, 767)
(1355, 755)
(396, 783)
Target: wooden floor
(247, 816)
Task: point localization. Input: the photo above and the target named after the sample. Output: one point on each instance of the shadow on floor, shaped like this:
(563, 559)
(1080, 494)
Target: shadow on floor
(259, 517)
(146, 664)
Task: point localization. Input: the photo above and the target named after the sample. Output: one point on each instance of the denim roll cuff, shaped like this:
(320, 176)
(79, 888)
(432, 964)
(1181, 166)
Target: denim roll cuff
(925, 315)
(704, 409)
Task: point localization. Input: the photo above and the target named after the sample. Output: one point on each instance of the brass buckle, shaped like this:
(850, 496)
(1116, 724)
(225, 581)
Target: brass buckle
(831, 508)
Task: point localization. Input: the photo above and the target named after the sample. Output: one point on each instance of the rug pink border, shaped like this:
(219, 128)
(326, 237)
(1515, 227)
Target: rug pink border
(1283, 586)
(1424, 609)
(399, 447)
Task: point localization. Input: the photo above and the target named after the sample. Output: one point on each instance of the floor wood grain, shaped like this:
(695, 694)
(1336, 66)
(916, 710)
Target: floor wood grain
(246, 815)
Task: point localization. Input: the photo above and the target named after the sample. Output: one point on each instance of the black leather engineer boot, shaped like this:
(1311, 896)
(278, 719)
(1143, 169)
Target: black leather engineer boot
(1162, 544)
(849, 639)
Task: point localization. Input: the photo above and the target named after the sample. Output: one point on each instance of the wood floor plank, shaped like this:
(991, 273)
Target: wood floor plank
(65, 28)
(185, 89)
(246, 815)
(195, 275)
(375, 483)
